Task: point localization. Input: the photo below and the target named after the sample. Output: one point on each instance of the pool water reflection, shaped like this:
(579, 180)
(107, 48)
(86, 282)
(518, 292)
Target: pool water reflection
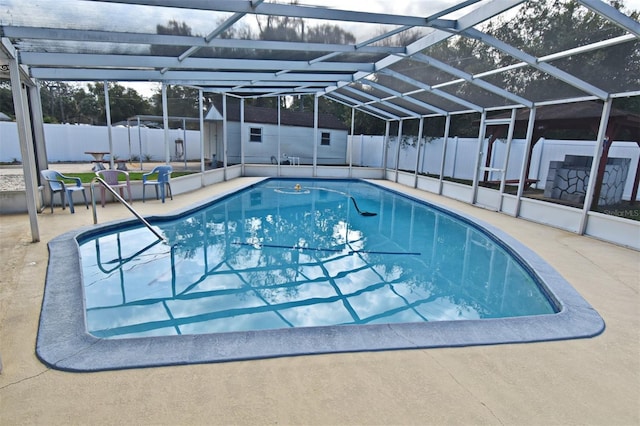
(277, 255)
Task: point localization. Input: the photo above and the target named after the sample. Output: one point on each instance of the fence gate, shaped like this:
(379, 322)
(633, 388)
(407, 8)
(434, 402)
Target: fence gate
(486, 171)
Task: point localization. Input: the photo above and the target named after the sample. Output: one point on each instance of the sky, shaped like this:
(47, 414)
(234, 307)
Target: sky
(48, 13)
(408, 8)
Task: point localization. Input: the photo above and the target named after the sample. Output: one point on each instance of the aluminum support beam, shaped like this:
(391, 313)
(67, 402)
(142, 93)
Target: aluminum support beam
(202, 76)
(243, 136)
(614, 15)
(37, 125)
(418, 149)
(534, 62)
(376, 100)
(165, 123)
(107, 109)
(385, 145)
(225, 135)
(369, 109)
(23, 122)
(431, 90)
(291, 10)
(397, 165)
(527, 157)
(201, 123)
(443, 160)
(593, 174)
(414, 101)
(471, 79)
(37, 33)
(478, 157)
(92, 60)
(315, 136)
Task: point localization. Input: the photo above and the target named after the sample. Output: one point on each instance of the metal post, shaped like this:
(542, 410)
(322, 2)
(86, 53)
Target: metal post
(165, 124)
(525, 160)
(447, 125)
(107, 109)
(507, 154)
(201, 124)
(140, 141)
(315, 135)
(184, 142)
(350, 147)
(384, 147)
(40, 148)
(243, 135)
(129, 137)
(415, 171)
(26, 146)
(591, 186)
(279, 152)
(224, 134)
(398, 149)
(478, 157)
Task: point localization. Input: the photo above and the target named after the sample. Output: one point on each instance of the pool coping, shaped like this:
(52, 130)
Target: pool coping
(64, 344)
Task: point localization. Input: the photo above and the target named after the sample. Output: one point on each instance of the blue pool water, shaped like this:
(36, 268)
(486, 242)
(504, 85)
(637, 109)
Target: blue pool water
(277, 256)
(265, 272)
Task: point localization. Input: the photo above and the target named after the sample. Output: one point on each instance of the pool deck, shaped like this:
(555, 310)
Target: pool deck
(586, 381)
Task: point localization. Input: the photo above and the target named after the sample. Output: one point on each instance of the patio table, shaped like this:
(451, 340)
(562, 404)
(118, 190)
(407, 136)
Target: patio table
(98, 159)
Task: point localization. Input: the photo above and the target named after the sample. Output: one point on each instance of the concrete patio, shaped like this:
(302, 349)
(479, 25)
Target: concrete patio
(590, 381)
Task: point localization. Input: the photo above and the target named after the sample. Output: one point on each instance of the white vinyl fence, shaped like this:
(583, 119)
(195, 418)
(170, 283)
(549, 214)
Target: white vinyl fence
(66, 143)
(368, 151)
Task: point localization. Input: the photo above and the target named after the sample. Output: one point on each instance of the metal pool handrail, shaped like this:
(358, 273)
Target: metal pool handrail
(123, 201)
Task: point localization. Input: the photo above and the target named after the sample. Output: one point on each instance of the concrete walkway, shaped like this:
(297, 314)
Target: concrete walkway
(590, 381)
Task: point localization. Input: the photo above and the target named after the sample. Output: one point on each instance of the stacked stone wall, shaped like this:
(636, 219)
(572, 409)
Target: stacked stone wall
(568, 180)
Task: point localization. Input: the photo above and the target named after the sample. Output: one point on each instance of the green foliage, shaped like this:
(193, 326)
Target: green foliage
(548, 26)
(60, 102)
(181, 102)
(172, 28)
(72, 103)
(133, 176)
(541, 28)
(6, 99)
(124, 102)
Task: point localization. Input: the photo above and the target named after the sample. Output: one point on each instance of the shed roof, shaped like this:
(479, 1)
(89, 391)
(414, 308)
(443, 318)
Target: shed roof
(581, 115)
(254, 114)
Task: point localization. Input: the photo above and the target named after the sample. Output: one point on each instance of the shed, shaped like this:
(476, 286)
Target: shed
(268, 138)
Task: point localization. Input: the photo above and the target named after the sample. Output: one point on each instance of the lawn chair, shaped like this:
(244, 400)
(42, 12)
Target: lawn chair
(112, 177)
(162, 181)
(56, 182)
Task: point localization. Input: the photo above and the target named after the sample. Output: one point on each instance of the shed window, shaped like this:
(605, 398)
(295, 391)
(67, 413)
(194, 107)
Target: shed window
(255, 134)
(325, 139)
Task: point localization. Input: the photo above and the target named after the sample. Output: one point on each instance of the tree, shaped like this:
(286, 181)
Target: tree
(281, 28)
(172, 28)
(550, 26)
(6, 98)
(327, 33)
(124, 102)
(181, 102)
(291, 29)
(60, 101)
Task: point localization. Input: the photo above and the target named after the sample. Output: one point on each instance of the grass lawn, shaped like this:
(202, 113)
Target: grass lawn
(86, 177)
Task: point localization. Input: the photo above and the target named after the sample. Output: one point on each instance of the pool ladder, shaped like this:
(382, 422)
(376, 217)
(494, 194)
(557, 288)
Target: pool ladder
(123, 201)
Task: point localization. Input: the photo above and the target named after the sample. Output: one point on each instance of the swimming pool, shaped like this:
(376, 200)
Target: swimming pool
(290, 267)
